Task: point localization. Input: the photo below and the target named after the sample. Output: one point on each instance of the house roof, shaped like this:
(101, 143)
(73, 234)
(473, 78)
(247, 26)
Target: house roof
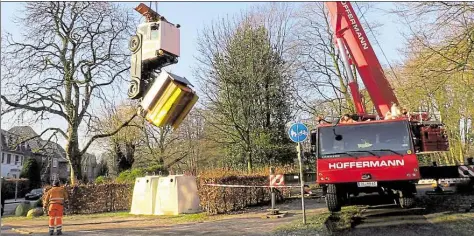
(8, 139)
(38, 145)
(53, 149)
(23, 131)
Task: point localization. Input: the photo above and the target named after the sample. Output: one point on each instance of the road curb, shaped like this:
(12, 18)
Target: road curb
(21, 231)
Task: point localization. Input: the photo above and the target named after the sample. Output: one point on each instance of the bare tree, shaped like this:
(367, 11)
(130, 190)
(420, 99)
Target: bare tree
(191, 134)
(439, 67)
(70, 58)
(445, 29)
(162, 147)
(122, 146)
(322, 80)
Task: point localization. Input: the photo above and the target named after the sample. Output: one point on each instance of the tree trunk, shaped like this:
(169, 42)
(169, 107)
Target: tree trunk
(249, 161)
(73, 155)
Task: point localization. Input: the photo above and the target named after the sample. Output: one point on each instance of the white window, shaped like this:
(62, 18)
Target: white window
(17, 160)
(9, 158)
(55, 162)
(3, 158)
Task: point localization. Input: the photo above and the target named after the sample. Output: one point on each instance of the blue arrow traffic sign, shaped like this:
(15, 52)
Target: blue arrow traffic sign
(298, 132)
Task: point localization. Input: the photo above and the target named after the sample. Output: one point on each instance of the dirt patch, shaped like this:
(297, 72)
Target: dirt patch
(321, 223)
(434, 215)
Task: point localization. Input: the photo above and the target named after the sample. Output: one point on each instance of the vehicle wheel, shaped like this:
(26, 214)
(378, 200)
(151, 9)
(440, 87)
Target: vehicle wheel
(407, 202)
(381, 192)
(332, 199)
(134, 90)
(134, 43)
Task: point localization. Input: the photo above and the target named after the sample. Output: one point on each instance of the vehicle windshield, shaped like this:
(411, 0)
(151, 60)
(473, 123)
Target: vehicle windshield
(36, 191)
(365, 139)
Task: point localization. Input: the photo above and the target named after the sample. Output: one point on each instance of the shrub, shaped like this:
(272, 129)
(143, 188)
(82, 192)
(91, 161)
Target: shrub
(157, 169)
(97, 198)
(35, 212)
(102, 180)
(38, 203)
(9, 188)
(32, 171)
(217, 200)
(129, 176)
(22, 209)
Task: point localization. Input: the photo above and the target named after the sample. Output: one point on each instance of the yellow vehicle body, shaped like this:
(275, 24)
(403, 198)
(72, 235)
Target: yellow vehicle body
(172, 106)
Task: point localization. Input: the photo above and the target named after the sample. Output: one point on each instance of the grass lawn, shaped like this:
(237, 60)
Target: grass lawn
(456, 222)
(316, 223)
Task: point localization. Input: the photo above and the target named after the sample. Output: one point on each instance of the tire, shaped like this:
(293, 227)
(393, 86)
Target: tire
(381, 192)
(134, 44)
(134, 90)
(332, 199)
(407, 202)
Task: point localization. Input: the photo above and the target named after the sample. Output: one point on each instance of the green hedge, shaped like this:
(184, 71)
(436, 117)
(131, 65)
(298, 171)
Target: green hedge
(216, 200)
(97, 198)
(9, 188)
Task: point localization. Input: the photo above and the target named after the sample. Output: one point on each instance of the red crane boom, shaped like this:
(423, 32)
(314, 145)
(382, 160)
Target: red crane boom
(350, 35)
(370, 155)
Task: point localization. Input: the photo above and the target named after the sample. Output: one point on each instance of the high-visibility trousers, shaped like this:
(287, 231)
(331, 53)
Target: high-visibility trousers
(55, 213)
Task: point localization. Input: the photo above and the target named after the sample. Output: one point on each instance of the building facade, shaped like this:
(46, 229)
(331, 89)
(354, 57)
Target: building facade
(14, 154)
(50, 155)
(90, 169)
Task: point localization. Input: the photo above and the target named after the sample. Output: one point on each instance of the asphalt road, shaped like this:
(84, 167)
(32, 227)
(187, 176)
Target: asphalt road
(253, 225)
(233, 227)
(10, 205)
(375, 223)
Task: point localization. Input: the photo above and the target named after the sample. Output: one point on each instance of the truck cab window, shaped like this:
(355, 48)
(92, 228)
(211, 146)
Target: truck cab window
(155, 32)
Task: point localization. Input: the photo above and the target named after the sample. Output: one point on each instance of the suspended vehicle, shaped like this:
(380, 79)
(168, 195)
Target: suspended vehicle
(165, 98)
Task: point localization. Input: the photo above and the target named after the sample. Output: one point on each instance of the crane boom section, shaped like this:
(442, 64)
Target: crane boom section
(346, 25)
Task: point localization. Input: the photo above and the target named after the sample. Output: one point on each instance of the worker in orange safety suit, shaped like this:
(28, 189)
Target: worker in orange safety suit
(54, 202)
(346, 118)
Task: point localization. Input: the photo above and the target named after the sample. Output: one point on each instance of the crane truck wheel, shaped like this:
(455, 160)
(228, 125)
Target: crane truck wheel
(407, 202)
(332, 199)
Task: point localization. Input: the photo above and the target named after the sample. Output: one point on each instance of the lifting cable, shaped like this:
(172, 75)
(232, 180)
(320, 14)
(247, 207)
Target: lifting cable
(378, 44)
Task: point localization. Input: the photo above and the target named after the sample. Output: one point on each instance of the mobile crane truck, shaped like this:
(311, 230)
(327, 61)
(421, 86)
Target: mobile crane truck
(378, 152)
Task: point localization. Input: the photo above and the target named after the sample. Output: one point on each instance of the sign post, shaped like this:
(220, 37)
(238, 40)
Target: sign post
(272, 191)
(298, 133)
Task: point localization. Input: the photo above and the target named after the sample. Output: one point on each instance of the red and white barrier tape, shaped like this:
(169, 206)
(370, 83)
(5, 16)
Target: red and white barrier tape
(247, 186)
